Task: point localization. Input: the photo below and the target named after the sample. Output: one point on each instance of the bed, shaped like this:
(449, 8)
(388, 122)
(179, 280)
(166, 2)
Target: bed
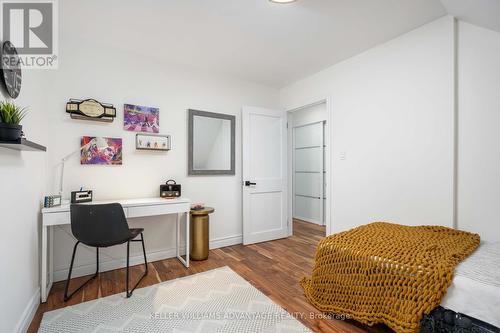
(431, 278)
(475, 288)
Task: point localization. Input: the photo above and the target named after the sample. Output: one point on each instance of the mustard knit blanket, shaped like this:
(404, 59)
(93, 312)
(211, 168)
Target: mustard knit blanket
(386, 273)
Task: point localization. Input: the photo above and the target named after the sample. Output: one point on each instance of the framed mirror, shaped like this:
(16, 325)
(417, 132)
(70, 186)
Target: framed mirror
(211, 143)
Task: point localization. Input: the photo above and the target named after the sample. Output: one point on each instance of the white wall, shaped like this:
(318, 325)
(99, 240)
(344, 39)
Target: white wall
(393, 117)
(23, 184)
(117, 77)
(478, 130)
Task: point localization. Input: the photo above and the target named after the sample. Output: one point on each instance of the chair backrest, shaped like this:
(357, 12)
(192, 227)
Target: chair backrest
(99, 225)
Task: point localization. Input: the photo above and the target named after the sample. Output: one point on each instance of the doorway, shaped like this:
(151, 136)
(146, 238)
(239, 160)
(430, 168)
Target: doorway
(307, 165)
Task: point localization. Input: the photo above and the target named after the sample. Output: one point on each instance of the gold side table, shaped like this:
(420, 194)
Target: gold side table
(199, 233)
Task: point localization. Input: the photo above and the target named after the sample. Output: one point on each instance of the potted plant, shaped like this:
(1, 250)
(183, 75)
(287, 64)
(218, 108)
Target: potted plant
(11, 116)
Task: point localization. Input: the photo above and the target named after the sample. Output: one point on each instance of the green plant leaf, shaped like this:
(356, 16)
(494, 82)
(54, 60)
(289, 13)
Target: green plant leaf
(11, 113)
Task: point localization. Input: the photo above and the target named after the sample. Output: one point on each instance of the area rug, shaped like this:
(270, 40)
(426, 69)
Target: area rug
(214, 301)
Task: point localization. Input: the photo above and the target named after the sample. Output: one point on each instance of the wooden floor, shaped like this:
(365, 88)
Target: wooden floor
(275, 268)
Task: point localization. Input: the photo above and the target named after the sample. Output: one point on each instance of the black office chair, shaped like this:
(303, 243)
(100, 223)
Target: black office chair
(102, 226)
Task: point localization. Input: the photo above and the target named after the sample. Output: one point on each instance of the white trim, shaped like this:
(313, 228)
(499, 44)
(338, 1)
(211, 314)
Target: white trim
(308, 105)
(291, 170)
(313, 123)
(138, 259)
(29, 312)
(226, 241)
(329, 166)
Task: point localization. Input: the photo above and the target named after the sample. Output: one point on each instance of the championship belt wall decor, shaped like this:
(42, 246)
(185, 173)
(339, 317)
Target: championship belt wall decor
(90, 109)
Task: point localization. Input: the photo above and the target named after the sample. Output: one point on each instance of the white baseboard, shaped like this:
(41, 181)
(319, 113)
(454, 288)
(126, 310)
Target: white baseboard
(104, 266)
(28, 313)
(225, 241)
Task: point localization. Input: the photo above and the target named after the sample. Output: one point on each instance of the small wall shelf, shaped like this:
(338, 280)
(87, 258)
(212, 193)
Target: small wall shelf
(22, 144)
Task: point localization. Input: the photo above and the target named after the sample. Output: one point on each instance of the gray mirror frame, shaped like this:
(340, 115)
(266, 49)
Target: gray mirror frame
(191, 171)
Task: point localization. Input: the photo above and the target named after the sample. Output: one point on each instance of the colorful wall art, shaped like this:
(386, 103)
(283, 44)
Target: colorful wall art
(103, 151)
(141, 118)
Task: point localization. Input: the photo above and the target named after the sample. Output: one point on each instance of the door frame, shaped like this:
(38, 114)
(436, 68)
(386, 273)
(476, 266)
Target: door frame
(328, 163)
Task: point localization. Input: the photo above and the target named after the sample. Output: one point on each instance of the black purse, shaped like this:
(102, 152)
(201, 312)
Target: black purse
(170, 189)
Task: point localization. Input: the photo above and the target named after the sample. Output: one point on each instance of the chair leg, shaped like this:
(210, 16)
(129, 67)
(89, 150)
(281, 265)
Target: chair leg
(66, 296)
(144, 252)
(126, 282)
(129, 293)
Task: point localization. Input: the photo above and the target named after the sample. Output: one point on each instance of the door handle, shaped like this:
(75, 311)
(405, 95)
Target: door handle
(249, 183)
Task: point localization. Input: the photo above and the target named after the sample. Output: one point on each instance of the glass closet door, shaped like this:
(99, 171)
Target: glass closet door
(308, 169)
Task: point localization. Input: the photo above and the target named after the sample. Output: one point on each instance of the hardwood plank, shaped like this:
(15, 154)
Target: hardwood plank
(275, 268)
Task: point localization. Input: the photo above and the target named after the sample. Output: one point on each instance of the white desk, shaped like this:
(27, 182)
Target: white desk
(133, 208)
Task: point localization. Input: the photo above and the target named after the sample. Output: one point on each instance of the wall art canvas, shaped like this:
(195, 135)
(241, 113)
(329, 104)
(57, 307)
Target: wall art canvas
(141, 118)
(99, 150)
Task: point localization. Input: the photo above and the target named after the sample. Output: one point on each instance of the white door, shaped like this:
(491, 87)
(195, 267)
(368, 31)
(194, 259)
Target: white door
(264, 175)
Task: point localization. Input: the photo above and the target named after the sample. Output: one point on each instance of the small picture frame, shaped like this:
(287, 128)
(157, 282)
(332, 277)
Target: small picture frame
(153, 142)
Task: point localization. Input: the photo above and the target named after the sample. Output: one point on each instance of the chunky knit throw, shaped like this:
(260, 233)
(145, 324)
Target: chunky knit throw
(386, 273)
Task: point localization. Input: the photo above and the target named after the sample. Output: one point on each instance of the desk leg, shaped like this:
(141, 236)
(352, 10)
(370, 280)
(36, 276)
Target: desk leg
(43, 287)
(178, 235)
(50, 245)
(188, 238)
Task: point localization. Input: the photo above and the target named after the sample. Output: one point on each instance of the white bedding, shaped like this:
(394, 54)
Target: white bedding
(475, 289)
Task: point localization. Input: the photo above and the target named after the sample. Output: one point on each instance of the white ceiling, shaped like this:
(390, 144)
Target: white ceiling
(272, 44)
(485, 13)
